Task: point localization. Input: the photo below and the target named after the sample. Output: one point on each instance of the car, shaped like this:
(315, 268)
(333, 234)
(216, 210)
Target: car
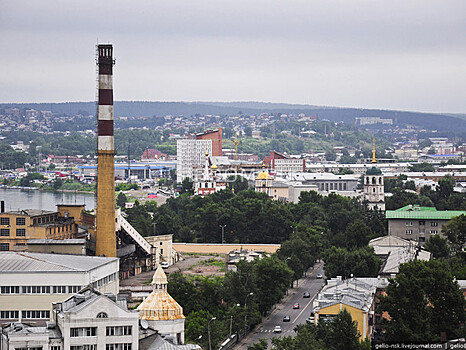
(306, 295)
(319, 276)
(164, 264)
(310, 319)
(296, 306)
(286, 319)
(277, 329)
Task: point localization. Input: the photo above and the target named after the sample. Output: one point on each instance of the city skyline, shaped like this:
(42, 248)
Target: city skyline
(364, 54)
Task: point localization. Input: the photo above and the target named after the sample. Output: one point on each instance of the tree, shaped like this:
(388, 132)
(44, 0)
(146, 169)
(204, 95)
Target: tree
(343, 332)
(330, 156)
(57, 183)
(455, 230)
(237, 183)
(187, 186)
(357, 234)
(438, 246)
(423, 301)
(262, 344)
(121, 200)
(341, 262)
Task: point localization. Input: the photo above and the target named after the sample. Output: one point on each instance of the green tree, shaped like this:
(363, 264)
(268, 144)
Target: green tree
(330, 156)
(343, 332)
(121, 200)
(262, 344)
(455, 230)
(237, 183)
(357, 234)
(187, 186)
(341, 262)
(57, 183)
(423, 301)
(438, 246)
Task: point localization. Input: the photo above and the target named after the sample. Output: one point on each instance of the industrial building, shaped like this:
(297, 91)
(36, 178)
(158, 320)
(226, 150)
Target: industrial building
(31, 282)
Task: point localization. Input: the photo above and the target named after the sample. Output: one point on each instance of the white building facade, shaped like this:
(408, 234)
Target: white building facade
(190, 154)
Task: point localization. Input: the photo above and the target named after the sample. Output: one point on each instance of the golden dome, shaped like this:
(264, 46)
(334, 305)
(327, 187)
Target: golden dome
(214, 166)
(160, 305)
(263, 175)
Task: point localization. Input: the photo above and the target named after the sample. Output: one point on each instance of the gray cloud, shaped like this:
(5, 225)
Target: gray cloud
(363, 53)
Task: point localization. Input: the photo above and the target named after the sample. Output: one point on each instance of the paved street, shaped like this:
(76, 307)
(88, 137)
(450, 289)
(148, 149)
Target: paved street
(285, 308)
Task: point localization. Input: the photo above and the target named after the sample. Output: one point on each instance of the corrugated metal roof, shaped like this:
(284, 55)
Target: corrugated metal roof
(423, 213)
(17, 262)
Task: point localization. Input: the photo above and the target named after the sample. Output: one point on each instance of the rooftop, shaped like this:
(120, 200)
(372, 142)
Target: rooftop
(30, 212)
(422, 213)
(26, 262)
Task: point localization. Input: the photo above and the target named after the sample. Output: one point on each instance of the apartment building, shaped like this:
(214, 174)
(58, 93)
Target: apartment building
(418, 223)
(190, 154)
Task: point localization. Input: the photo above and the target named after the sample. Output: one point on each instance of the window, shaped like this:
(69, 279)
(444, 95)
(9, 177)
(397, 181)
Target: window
(102, 315)
(83, 332)
(20, 221)
(73, 289)
(4, 247)
(59, 289)
(9, 314)
(161, 251)
(4, 232)
(55, 347)
(122, 346)
(20, 232)
(9, 290)
(422, 222)
(84, 347)
(433, 232)
(434, 223)
(408, 223)
(409, 232)
(36, 289)
(422, 239)
(4, 221)
(35, 314)
(119, 330)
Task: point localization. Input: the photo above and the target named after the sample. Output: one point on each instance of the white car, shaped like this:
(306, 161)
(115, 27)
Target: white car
(164, 264)
(277, 329)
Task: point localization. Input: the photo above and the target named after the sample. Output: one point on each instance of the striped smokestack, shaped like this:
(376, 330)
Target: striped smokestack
(105, 226)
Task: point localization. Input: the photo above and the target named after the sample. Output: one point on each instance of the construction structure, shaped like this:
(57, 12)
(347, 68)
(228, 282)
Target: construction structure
(105, 223)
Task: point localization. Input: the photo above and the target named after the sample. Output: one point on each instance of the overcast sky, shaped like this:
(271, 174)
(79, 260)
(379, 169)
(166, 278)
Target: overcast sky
(397, 54)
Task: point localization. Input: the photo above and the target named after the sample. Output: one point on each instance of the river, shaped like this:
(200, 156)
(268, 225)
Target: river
(16, 199)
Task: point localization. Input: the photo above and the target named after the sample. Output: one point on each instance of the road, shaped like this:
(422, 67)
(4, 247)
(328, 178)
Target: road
(297, 316)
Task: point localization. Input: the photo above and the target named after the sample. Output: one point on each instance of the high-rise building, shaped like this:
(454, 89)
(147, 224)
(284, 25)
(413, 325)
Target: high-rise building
(216, 137)
(190, 154)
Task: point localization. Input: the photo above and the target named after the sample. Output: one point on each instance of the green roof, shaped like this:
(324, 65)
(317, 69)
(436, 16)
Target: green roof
(373, 171)
(422, 213)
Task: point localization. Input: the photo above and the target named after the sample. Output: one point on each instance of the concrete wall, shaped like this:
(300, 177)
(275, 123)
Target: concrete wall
(222, 248)
(400, 227)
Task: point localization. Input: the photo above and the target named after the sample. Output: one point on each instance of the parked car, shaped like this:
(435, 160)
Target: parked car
(306, 295)
(286, 319)
(296, 306)
(277, 329)
(310, 319)
(164, 264)
(319, 276)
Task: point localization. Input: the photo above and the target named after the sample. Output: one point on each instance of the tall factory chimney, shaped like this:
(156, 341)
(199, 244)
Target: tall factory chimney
(105, 226)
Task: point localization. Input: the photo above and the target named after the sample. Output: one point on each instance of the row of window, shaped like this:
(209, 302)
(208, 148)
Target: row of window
(30, 348)
(105, 280)
(119, 330)
(432, 232)
(39, 289)
(422, 223)
(44, 219)
(5, 232)
(19, 221)
(125, 346)
(28, 314)
(92, 331)
(333, 186)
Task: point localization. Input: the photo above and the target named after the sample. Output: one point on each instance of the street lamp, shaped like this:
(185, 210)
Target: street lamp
(223, 231)
(246, 312)
(231, 319)
(208, 330)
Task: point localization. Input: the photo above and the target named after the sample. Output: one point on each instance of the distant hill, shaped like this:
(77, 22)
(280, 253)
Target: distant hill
(431, 121)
